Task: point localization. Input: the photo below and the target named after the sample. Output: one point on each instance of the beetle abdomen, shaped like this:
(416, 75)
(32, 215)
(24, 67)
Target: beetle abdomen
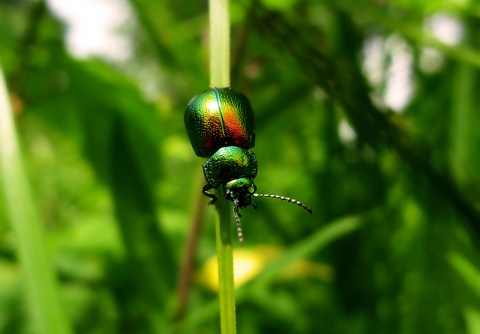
(217, 118)
(229, 163)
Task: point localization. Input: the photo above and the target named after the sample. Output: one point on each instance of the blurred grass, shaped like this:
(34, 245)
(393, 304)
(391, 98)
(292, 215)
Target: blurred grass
(45, 307)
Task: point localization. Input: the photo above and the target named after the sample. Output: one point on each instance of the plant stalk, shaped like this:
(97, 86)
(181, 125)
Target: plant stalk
(220, 77)
(219, 43)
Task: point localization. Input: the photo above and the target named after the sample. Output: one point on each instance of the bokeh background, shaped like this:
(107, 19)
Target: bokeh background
(365, 110)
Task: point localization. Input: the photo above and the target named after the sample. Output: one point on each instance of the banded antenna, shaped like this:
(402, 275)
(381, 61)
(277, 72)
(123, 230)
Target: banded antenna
(237, 214)
(286, 199)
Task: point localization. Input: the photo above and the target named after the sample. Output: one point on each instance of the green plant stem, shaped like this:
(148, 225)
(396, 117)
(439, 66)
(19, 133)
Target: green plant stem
(219, 43)
(226, 287)
(39, 279)
(220, 77)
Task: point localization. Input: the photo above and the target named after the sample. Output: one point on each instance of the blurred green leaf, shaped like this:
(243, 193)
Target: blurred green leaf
(44, 303)
(469, 273)
(472, 318)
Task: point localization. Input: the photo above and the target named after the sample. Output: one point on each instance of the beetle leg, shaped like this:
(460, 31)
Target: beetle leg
(206, 193)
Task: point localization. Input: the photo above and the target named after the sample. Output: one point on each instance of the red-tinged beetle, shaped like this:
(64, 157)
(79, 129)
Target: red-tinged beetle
(220, 127)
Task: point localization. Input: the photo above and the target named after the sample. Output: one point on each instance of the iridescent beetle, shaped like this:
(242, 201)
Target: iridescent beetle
(219, 124)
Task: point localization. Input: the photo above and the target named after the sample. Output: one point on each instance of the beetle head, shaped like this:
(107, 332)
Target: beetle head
(240, 192)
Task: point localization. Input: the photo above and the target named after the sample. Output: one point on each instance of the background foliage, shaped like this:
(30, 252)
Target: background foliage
(393, 244)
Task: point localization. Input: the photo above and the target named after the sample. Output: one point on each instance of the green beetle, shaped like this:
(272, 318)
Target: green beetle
(220, 126)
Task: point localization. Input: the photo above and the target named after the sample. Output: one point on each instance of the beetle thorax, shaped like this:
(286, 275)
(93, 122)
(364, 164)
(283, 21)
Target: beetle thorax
(240, 191)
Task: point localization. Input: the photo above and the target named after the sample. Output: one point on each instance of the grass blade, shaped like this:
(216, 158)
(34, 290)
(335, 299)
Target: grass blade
(41, 288)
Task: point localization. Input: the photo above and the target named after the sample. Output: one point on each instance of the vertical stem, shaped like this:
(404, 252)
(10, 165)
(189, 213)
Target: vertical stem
(219, 43)
(226, 287)
(42, 292)
(220, 77)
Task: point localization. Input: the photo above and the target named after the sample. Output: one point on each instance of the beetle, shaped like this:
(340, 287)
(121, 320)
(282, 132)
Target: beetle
(220, 126)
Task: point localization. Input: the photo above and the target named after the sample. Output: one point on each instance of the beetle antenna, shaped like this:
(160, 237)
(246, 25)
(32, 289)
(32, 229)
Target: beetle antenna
(236, 214)
(286, 199)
